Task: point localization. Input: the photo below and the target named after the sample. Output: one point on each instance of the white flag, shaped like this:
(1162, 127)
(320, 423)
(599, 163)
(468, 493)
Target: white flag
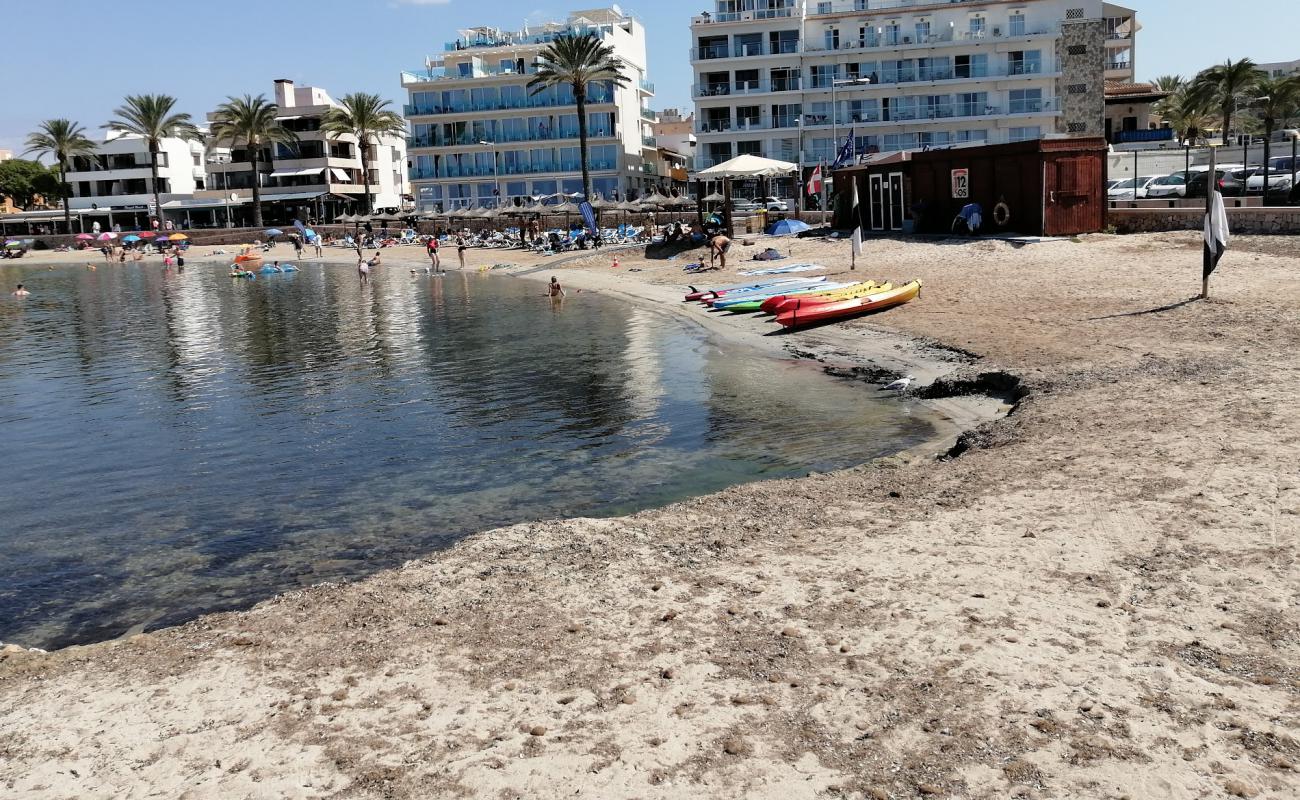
(857, 221)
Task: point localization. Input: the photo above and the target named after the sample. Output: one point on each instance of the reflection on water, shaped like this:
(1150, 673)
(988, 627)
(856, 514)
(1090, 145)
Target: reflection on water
(175, 444)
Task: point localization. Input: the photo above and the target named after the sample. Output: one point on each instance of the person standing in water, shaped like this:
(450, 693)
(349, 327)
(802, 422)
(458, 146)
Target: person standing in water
(363, 270)
(433, 254)
(20, 291)
(554, 289)
(460, 250)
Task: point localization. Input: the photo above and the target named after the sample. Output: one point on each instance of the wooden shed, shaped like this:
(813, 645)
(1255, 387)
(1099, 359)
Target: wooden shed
(1050, 187)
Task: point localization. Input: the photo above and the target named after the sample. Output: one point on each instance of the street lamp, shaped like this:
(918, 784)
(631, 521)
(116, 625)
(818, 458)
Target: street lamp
(496, 181)
(835, 125)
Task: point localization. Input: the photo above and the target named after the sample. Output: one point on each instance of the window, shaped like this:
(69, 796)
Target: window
(821, 75)
(786, 115)
(977, 27)
(891, 34)
(746, 80)
(979, 135)
(923, 31)
(753, 148)
(832, 39)
(1017, 26)
(974, 66)
(1025, 62)
(971, 104)
(1024, 101)
(747, 117)
(1024, 134)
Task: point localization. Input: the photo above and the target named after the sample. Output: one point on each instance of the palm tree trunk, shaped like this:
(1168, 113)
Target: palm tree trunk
(253, 159)
(153, 171)
(63, 190)
(365, 174)
(1227, 124)
(1268, 140)
(580, 97)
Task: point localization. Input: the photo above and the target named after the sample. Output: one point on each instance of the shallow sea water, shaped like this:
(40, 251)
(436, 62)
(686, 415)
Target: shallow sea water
(172, 444)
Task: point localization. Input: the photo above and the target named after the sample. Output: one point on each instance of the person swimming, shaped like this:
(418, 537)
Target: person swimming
(20, 291)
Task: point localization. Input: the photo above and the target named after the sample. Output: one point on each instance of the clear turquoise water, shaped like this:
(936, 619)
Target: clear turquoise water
(175, 444)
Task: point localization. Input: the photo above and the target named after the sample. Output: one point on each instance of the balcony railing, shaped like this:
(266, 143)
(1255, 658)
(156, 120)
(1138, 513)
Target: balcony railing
(649, 141)
(746, 87)
(447, 172)
(820, 7)
(929, 74)
(742, 16)
(505, 137)
(649, 115)
(413, 110)
(646, 86)
(743, 50)
(1121, 65)
(918, 113)
(911, 40)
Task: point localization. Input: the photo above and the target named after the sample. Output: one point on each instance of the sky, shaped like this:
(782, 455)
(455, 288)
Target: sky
(78, 58)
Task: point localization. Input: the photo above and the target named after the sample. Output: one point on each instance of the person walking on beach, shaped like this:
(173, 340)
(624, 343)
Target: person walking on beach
(316, 242)
(20, 291)
(363, 271)
(554, 289)
(460, 250)
(433, 254)
(718, 247)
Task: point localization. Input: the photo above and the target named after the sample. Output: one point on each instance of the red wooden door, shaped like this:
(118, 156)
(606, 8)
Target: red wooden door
(1070, 200)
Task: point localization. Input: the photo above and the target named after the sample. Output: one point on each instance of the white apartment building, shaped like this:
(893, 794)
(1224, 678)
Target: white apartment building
(478, 137)
(1281, 69)
(789, 79)
(318, 178)
(116, 181)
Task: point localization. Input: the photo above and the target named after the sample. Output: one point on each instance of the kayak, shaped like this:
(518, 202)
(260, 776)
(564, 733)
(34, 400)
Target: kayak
(729, 302)
(781, 303)
(823, 312)
(721, 290)
(757, 304)
(768, 289)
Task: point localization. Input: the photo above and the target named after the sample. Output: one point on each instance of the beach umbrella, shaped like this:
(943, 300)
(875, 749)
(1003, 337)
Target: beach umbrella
(107, 236)
(274, 232)
(148, 235)
(130, 237)
(309, 234)
(786, 227)
(716, 197)
(178, 237)
(343, 218)
(85, 236)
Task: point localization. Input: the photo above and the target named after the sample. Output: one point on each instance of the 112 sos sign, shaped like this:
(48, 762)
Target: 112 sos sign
(961, 184)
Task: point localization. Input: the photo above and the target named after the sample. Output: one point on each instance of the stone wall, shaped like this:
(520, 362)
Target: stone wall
(1081, 54)
(1276, 220)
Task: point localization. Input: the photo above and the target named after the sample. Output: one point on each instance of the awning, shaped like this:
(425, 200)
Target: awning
(275, 198)
(206, 202)
(340, 175)
(297, 173)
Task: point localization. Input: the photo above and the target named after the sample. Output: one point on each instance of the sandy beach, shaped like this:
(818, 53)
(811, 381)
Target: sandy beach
(1094, 596)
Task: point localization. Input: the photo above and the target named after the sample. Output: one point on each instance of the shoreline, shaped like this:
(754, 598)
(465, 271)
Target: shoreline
(1095, 600)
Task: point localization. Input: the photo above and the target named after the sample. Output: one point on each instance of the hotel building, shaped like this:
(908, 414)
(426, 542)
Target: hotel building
(318, 178)
(788, 79)
(115, 184)
(478, 136)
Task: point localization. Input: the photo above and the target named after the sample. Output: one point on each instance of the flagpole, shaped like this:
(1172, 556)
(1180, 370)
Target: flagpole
(1209, 218)
(825, 175)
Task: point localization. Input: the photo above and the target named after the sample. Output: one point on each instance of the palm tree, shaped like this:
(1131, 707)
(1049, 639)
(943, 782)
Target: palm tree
(1277, 104)
(1169, 83)
(1187, 112)
(579, 61)
(150, 117)
(63, 140)
(364, 116)
(251, 121)
(1225, 85)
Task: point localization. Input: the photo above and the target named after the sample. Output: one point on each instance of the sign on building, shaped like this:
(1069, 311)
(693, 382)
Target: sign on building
(960, 184)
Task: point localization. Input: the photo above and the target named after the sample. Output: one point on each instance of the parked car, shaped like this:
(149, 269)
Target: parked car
(1131, 188)
(1233, 184)
(1279, 177)
(1196, 184)
(1174, 185)
(770, 204)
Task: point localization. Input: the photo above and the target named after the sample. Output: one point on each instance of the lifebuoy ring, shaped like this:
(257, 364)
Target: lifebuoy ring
(1001, 214)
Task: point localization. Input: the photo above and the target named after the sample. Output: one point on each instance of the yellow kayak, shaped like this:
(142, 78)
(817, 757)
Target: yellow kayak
(791, 302)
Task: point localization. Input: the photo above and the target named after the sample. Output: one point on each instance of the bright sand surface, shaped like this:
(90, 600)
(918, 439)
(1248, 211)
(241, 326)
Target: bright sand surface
(1097, 599)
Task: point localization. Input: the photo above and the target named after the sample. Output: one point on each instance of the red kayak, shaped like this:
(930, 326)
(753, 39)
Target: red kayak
(789, 302)
(824, 312)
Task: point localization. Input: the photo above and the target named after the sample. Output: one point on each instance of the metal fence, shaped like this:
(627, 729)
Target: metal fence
(1175, 176)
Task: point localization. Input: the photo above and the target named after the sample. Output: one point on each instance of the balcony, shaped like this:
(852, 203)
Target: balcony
(649, 141)
(649, 169)
(741, 16)
(712, 52)
(504, 137)
(746, 87)
(823, 8)
(412, 110)
(454, 172)
(1029, 69)
(902, 41)
(646, 86)
(649, 115)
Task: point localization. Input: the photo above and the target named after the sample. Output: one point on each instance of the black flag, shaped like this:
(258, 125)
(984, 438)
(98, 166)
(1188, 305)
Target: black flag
(1216, 234)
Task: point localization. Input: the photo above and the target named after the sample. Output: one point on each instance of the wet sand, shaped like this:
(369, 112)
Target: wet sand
(1096, 598)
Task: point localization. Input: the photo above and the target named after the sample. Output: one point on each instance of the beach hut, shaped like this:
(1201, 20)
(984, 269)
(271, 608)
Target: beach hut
(1041, 187)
